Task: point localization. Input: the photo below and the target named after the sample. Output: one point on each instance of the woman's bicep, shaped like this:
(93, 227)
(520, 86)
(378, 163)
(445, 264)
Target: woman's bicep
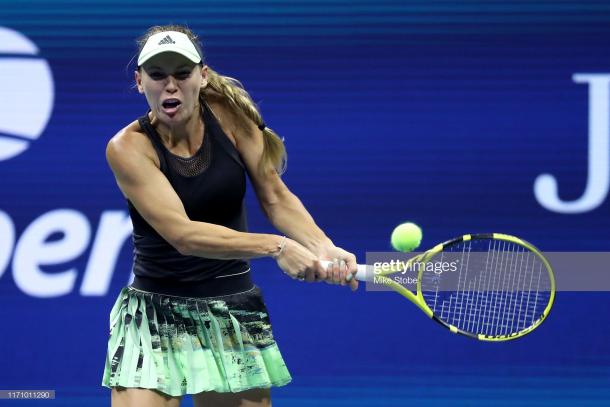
(267, 183)
(149, 191)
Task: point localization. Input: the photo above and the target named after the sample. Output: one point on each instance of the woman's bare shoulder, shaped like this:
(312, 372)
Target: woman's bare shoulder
(130, 142)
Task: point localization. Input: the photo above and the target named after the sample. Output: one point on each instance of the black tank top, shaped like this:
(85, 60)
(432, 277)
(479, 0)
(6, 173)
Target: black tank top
(211, 185)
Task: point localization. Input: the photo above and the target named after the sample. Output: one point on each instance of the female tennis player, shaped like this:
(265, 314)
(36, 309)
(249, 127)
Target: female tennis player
(192, 321)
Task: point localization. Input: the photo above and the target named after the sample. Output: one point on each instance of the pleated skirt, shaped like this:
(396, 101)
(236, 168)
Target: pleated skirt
(180, 345)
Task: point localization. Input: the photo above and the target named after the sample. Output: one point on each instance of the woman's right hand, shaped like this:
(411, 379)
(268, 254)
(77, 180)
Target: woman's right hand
(300, 263)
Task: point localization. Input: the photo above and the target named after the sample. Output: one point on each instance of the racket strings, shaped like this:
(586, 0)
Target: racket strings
(496, 290)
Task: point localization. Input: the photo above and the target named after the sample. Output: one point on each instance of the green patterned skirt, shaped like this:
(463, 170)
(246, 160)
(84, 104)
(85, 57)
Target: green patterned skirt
(180, 345)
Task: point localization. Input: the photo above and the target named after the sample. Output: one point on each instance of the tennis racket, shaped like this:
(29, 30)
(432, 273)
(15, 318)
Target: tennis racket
(491, 287)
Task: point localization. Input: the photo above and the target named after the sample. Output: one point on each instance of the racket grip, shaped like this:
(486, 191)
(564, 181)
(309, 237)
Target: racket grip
(361, 274)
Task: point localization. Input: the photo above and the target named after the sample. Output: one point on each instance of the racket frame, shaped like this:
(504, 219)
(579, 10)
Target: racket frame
(418, 299)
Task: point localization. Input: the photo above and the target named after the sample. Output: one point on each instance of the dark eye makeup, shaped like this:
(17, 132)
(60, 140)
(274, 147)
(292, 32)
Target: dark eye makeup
(180, 74)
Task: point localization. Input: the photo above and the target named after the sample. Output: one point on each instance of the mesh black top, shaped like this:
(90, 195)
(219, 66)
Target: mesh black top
(195, 165)
(211, 185)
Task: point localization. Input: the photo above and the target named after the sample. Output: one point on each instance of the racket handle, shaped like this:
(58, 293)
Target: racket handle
(361, 274)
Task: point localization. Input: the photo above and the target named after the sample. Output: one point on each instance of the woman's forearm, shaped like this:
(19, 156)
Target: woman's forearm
(219, 242)
(289, 215)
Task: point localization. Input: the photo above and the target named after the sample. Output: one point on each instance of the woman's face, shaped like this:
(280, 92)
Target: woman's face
(171, 84)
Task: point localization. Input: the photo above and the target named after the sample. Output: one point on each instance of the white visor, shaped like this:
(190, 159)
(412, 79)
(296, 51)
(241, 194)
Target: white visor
(169, 41)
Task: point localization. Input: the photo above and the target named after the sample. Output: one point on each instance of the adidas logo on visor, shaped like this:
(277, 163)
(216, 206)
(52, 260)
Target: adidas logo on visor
(167, 40)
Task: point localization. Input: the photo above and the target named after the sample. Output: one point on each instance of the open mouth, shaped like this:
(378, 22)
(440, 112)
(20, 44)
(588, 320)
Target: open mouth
(171, 104)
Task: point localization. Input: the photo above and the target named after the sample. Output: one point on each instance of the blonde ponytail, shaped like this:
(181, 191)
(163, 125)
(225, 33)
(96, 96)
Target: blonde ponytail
(274, 152)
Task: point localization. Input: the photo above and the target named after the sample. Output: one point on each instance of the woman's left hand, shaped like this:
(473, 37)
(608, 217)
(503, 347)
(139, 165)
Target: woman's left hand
(343, 263)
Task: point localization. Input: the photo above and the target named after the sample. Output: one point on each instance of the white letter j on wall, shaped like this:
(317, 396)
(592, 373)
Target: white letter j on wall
(596, 190)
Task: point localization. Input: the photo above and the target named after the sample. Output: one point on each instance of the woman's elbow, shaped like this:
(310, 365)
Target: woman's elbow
(273, 203)
(182, 239)
(182, 245)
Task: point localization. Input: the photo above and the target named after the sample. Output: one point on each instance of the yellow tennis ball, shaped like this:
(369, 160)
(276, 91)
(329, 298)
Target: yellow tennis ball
(406, 237)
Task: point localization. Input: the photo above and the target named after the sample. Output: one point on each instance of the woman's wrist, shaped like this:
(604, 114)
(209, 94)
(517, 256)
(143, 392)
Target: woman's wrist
(279, 249)
(321, 246)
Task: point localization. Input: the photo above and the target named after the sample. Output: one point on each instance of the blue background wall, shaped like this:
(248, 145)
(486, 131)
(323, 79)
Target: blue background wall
(444, 113)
